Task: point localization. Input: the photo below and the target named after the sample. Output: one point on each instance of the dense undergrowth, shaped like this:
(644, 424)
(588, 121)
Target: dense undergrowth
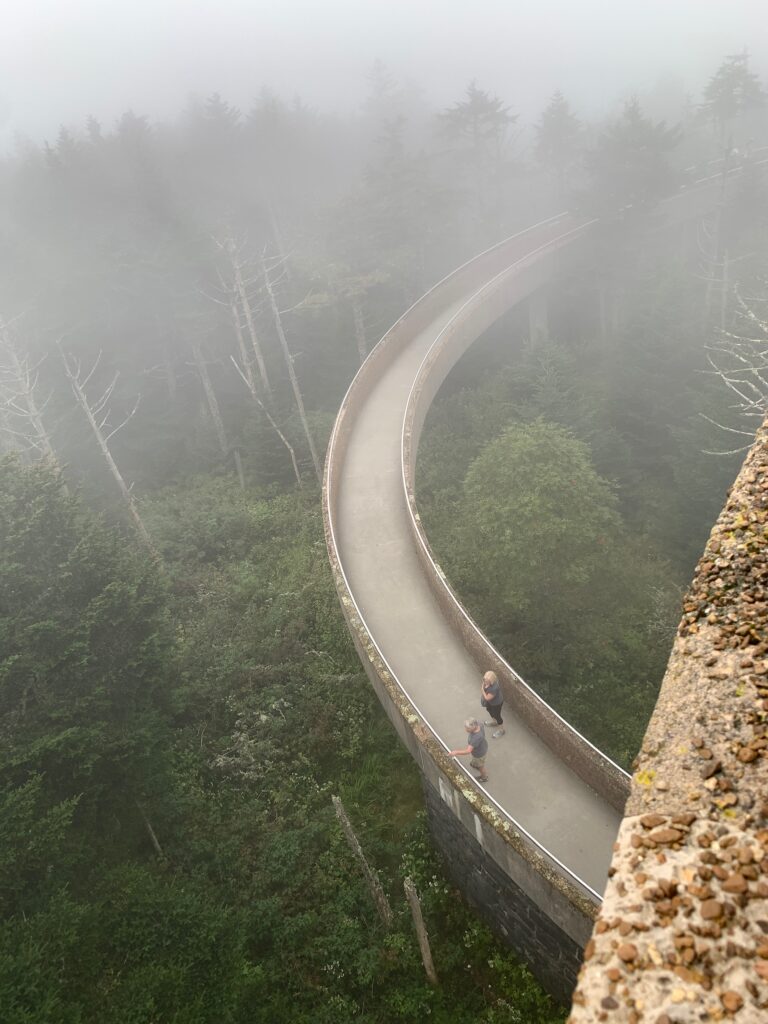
(220, 703)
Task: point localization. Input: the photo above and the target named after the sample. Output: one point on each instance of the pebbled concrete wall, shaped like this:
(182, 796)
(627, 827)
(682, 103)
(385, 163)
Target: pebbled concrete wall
(682, 935)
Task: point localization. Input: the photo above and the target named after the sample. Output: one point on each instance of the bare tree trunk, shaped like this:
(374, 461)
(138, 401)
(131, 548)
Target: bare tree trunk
(717, 243)
(740, 360)
(5, 429)
(277, 234)
(91, 414)
(239, 467)
(246, 372)
(242, 294)
(421, 931)
(21, 385)
(170, 373)
(251, 385)
(113, 468)
(36, 420)
(724, 291)
(215, 411)
(360, 338)
(291, 371)
(238, 292)
(713, 278)
(246, 362)
(151, 832)
(374, 885)
(603, 314)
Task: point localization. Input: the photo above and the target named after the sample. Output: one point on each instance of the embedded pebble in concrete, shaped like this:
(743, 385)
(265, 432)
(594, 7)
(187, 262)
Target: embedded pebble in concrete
(681, 939)
(682, 935)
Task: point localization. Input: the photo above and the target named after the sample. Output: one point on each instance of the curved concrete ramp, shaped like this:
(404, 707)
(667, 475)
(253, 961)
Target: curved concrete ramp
(370, 529)
(532, 848)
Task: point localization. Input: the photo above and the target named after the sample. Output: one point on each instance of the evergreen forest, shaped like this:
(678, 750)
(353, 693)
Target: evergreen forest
(183, 305)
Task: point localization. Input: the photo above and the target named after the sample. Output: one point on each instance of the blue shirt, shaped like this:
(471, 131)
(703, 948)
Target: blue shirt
(493, 694)
(478, 742)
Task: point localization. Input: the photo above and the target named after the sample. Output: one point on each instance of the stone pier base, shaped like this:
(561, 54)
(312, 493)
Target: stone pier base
(521, 924)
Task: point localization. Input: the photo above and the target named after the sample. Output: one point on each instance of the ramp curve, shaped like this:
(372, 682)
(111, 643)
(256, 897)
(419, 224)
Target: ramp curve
(546, 822)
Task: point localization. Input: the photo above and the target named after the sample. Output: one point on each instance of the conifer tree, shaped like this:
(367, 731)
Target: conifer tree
(557, 137)
(630, 165)
(731, 91)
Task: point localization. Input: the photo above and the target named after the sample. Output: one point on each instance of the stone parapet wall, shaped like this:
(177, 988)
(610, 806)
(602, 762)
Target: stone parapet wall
(522, 280)
(556, 918)
(682, 935)
(559, 900)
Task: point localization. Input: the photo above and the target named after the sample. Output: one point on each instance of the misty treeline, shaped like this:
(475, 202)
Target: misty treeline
(568, 483)
(216, 280)
(182, 306)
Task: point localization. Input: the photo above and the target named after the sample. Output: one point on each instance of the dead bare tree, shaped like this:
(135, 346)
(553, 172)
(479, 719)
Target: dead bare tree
(98, 413)
(371, 878)
(233, 301)
(238, 290)
(354, 288)
(717, 273)
(169, 371)
(421, 931)
(213, 407)
(741, 363)
(150, 831)
(347, 290)
(21, 403)
(712, 234)
(5, 443)
(251, 385)
(270, 269)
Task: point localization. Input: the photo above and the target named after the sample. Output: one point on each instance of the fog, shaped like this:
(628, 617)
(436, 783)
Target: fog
(63, 60)
(195, 270)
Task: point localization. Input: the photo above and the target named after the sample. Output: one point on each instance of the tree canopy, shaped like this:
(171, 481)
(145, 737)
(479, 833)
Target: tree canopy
(630, 164)
(558, 137)
(732, 90)
(84, 643)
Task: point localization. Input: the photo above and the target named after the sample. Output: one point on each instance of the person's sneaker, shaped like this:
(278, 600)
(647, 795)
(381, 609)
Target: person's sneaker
(490, 722)
(482, 778)
(499, 732)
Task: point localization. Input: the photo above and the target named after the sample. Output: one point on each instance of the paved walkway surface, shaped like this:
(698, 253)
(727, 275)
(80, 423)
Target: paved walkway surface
(379, 558)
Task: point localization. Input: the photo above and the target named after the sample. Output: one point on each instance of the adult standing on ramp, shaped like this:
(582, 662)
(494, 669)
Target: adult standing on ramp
(492, 699)
(477, 746)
